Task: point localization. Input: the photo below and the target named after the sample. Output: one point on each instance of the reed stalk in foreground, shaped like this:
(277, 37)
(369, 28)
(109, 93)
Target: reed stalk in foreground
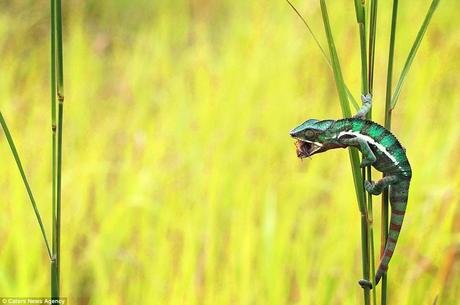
(390, 103)
(54, 269)
(367, 69)
(367, 77)
(384, 211)
(354, 156)
(57, 91)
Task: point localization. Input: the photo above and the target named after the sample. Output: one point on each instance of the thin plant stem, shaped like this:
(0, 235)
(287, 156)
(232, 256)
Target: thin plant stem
(372, 38)
(388, 110)
(14, 151)
(361, 19)
(354, 156)
(54, 266)
(366, 172)
(370, 79)
(58, 87)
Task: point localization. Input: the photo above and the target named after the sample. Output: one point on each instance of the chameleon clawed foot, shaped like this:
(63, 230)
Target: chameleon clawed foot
(365, 284)
(367, 162)
(366, 99)
(371, 187)
(367, 104)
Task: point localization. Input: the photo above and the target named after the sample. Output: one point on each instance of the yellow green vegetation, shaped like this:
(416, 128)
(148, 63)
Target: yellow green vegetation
(180, 182)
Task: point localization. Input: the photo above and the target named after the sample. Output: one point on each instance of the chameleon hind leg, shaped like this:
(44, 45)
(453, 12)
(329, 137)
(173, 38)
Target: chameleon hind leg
(368, 156)
(367, 104)
(376, 188)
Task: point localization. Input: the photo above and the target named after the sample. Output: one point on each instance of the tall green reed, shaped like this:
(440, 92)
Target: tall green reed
(390, 103)
(384, 208)
(54, 266)
(358, 176)
(57, 90)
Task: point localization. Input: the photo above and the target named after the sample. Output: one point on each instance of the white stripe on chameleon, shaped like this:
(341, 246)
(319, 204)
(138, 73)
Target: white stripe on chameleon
(371, 141)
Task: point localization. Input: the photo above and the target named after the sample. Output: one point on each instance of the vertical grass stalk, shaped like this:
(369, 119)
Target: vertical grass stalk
(60, 96)
(388, 109)
(370, 87)
(366, 84)
(54, 270)
(354, 156)
(57, 90)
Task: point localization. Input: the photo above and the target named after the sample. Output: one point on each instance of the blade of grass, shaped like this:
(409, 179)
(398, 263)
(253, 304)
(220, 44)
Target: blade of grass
(54, 269)
(361, 19)
(60, 95)
(388, 110)
(14, 151)
(413, 52)
(343, 99)
(371, 62)
(349, 95)
(372, 38)
(354, 157)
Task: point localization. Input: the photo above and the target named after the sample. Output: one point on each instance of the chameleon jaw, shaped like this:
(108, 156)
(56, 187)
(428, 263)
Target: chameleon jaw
(306, 148)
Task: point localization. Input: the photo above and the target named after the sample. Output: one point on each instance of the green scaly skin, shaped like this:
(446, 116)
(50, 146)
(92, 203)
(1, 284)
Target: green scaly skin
(380, 148)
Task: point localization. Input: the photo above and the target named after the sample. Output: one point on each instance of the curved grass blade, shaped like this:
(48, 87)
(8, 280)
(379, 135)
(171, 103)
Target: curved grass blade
(349, 94)
(24, 179)
(413, 52)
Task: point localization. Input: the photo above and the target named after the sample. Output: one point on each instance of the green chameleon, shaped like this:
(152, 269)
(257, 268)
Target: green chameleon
(379, 147)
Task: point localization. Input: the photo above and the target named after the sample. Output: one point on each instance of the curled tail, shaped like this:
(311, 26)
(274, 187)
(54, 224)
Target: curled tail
(398, 201)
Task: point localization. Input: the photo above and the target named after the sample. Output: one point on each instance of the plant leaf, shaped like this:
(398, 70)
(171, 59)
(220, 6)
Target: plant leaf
(349, 94)
(413, 52)
(354, 156)
(24, 179)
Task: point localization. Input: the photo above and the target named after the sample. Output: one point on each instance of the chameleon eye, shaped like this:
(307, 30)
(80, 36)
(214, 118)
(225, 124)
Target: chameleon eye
(309, 133)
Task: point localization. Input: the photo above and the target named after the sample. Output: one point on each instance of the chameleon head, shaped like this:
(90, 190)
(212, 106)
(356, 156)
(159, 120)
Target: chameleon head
(312, 137)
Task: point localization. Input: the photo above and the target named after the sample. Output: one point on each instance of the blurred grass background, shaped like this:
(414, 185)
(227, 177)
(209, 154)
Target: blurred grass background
(181, 184)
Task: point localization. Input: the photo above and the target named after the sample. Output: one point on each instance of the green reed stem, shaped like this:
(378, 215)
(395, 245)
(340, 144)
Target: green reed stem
(366, 84)
(372, 39)
(57, 90)
(388, 110)
(371, 61)
(354, 156)
(54, 266)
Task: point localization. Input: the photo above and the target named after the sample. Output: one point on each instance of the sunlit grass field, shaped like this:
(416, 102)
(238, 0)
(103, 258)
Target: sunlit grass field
(180, 182)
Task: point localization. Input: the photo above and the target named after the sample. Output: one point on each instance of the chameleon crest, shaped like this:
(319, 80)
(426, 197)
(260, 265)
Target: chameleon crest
(380, 149)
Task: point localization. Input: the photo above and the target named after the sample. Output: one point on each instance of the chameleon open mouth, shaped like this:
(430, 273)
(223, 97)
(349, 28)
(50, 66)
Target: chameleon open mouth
(306, 149)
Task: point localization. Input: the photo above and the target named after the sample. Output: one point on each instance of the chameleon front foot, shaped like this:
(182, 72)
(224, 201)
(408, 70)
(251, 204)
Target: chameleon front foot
(376, 188)
(367, 104)
(365, 284)
(367, 161)
(371, 187)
